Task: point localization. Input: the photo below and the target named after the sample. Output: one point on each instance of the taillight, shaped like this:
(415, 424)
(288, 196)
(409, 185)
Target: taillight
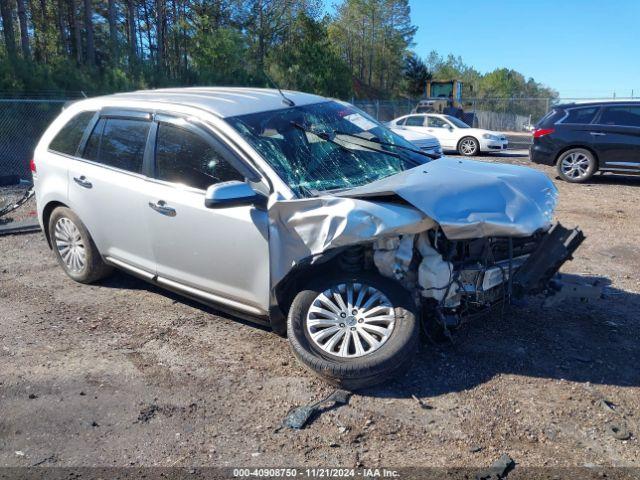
(32, 166)
(541, 132)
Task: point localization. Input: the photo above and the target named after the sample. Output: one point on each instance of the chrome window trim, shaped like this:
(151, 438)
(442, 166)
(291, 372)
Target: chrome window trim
(109, 167)
(568, 110)
(637, 105)
(202, 130)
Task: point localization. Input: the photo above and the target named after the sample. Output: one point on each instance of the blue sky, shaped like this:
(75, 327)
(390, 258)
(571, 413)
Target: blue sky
(582, 48)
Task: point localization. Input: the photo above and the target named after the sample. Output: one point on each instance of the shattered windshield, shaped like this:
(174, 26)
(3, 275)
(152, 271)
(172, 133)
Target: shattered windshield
(317, 147)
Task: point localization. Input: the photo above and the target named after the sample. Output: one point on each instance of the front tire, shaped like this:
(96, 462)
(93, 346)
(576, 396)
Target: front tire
(576, 165)
(74, 248)
(469, 147)
(354, 332)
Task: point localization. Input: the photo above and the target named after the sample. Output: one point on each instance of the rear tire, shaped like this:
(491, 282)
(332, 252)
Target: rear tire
(375, 361)
(469, 147)
(74, 248)
(576, 165)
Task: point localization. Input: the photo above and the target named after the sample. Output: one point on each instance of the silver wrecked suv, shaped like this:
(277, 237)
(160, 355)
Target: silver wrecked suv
(296, 211)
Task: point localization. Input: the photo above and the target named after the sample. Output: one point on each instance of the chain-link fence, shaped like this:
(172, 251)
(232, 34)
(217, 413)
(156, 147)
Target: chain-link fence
(22, 120)
(22, 123)
(501, 114)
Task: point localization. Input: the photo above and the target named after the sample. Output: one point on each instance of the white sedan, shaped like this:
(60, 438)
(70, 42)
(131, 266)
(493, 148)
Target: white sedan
(453, 134)
(423, 141)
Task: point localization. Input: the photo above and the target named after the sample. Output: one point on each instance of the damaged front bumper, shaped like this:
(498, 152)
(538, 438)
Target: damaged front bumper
(458, 278)
(461, 236)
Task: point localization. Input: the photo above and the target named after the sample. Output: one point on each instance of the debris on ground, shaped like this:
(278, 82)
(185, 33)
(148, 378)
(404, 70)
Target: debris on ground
(607, 405)
(619, 431)
(298, 417)
(147, 413)
(498, 469)
(422, 403)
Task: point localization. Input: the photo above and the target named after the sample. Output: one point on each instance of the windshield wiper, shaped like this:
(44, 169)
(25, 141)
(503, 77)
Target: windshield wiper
(322, 135)
(331, 138)
(377, 141)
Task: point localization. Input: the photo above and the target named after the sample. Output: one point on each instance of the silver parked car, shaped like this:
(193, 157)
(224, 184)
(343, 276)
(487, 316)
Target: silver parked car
(296, 211)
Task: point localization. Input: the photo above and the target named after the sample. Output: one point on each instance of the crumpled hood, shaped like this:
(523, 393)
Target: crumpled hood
(471, 199)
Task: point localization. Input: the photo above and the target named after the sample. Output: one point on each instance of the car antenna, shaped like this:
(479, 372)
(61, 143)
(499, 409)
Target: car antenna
(285, 100)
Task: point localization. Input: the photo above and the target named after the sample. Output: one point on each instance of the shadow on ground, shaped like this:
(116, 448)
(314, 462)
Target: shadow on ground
(121, 280)
(593, 342)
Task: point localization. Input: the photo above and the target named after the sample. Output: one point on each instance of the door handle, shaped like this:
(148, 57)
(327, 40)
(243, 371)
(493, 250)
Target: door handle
(597, 134)
(161, 207)
(83, 182)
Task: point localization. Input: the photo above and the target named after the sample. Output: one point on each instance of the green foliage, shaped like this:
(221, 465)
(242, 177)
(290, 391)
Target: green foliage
(500, 83)
(308, 61)
(363, 50)
(219, 57)
(373, 37)
(416, 76)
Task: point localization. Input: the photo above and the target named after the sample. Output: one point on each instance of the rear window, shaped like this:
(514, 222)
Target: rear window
(581, 115)
(68, 139)
(119, 143)
(624, 116)
(417, 121)
(550, 118)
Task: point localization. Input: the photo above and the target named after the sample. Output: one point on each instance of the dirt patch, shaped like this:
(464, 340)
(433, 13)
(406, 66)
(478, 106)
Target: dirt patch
(122, 373)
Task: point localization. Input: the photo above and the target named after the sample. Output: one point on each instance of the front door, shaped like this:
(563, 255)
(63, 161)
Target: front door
(616, 138)
(443, 131)
(222, 252)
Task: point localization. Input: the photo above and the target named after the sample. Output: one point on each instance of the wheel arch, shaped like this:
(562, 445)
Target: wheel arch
(46, 215)
(353, 259)
(294, 281)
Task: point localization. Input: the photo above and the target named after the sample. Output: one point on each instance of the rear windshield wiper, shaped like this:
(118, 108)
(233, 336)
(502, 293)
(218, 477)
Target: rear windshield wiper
(377, 141)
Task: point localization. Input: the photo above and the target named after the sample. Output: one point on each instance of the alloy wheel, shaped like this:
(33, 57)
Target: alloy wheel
(468, 146)
(350, 320)
(575, 165)
(68, 241)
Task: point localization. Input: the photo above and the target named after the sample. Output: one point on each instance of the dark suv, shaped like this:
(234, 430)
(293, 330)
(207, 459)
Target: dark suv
(581, 139)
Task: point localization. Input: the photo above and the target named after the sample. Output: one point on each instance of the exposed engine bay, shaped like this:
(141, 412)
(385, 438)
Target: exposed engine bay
(459, 278)
(460, 247)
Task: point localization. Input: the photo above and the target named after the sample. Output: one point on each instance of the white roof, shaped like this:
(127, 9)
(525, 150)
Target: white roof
(222, 101)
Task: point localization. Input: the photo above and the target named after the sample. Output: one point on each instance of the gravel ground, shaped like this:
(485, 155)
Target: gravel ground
(124, 374)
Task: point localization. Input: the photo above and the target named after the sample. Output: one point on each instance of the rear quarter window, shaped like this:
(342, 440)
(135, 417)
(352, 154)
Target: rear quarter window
(68, 138)
(550, 118)
(581, 115)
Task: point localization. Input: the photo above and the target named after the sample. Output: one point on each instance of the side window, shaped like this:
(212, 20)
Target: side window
(435, 122)
(119, 143)
(183, 156)
(623, 116)
(415, 121)
(581, 115)
(401, 121)
(68, 139)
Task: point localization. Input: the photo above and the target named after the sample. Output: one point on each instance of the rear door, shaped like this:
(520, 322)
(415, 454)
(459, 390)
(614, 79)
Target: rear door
(416, 123)
(616, 134)
(217, 254)
(107, 187)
